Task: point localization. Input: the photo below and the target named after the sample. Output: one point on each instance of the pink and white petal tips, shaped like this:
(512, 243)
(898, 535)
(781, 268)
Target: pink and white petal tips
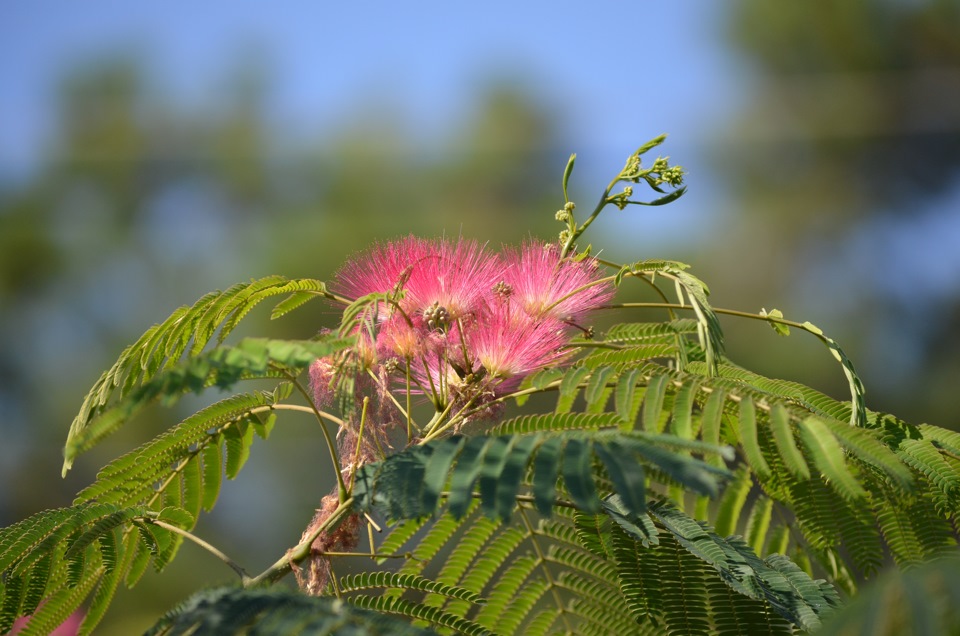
(546, 286)
(432, 274)
(509, 344)
(379, 269)
(452, 277)
(401, 338)
(467, 323)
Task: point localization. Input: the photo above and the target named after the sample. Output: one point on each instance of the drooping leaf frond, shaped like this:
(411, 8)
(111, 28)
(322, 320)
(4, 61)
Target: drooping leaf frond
(834, 483)
(222, 366)
(189, 458)
(163, 345)
(692, 292)
(604, 567)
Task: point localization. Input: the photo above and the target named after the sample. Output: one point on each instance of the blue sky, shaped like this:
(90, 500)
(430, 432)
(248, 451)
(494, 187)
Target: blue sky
(619, 74)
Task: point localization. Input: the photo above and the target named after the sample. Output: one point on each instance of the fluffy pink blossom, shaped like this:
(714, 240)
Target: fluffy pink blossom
(545, 286)
(379, 269)
(441, 280)
(509, 344)
(467, 323)
(453, 276)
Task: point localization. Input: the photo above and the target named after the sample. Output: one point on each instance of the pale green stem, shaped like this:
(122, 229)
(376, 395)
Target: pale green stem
(409, 417)
(449, 423)
(303, 409)
(429, 429)
(646, 280)
(244, 577)
(356, 455)
(369, 555)
(503, 398)
(332, 296)
(331, 446)
(542, 562)
(596, 212)
(728, 312)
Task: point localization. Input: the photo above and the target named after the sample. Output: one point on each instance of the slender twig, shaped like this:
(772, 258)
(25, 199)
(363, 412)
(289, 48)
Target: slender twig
(729, 312)
(529, 499)
(331, 296)
(372, 523)
(303, 409)
(437, 430)
(356, 454)
(369, 555)
(406, 369)
(553, 386)
(331, 447)
(644, 279)
(433, 427)
(602, 203)
(244, 577)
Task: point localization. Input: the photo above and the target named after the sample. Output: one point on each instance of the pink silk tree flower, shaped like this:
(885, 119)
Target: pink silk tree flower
(466, 322)
(545, 286)
(440, 280)
(380, 269)
(450, 281)
(402, 338)
(509, 344)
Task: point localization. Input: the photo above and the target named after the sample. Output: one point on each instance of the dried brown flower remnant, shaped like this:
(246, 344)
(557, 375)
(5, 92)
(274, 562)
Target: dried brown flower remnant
(313, 579)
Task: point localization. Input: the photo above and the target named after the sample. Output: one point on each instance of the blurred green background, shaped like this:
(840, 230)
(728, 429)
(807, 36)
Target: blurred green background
(151, 153)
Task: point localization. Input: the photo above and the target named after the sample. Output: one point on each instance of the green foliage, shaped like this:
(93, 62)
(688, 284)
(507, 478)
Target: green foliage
(667, 490)
(411, 483)
(275, 612)
(608, 561)
(921, 601)
(51, 562)
(162, 346)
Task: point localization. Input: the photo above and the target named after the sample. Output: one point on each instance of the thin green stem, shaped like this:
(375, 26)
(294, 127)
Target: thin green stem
(450, 422)
(356, 454)
(244, 577)
(542, 562)
(728, 312)
(503, 398)
(406, 370)
(646, 280)
(369, 555)
(602, 203)
(331, 296)
(593, 345)
(430, 430)
(303, 409)
(576, 291)
(331, 446)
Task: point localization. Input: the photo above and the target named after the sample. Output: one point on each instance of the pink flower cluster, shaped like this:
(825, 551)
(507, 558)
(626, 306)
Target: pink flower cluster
(466, 324)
